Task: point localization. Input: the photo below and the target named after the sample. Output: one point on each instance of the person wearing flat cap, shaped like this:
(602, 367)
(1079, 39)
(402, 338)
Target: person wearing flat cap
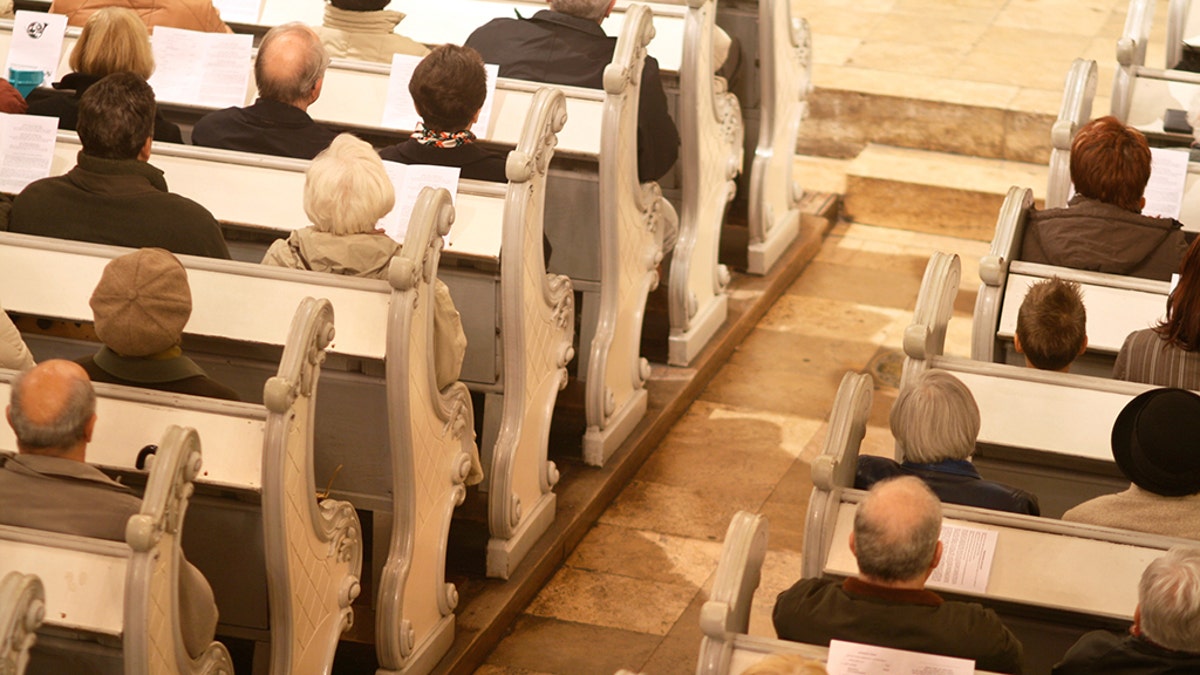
(140, 307)
(1156, 444)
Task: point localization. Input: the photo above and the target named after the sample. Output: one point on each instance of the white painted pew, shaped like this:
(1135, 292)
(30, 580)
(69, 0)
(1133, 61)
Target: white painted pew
(22, 610)
(1074, 111)
(413, 477)
(1116, 305)
(726, 648)
(311, 552)
(1082, 575)
(1048, 433)
(523, 305)
(105, 590)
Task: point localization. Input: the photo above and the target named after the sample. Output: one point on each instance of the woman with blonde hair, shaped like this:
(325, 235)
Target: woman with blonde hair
(114, 40)
(346, 192)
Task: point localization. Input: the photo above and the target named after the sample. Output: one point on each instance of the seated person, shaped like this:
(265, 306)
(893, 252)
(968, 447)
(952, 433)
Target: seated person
(1051, 325)
(895, 541)
(935, 422)
(113, 40)
(1102, 228)
(187, 14)
(289, 70)
(363, 30)
(140, 308)
(114, 195)
(1154, 442)
(448, 88)
(48, 485)
(1165, 636)
(1168, 355)
(566, 45)
(346, 192)
(14, 355)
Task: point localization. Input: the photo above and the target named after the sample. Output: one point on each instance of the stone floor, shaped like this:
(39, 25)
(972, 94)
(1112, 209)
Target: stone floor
(630, 594)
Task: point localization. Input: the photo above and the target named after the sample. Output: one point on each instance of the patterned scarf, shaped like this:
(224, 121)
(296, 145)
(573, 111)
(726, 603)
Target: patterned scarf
(442, 139)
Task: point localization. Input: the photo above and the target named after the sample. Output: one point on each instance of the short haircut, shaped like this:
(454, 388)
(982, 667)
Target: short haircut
(116, 116)
(113, 40)
(360, 5)
(1111, 162)
(1052, 323)
(346, 189)
(1182, 326)
(1169, 597)
(594, 10)
(935, 419)
(67, 429)
(302, 70)
(448, 87)
(896, 529)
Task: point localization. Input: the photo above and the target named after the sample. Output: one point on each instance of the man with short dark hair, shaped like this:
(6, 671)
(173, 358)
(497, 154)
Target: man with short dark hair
(1051, 325)
(114, 195)
(289, 71)
(1165, 635)
(50, 486)
(1102, 228)
(895, 541)
(566, 45)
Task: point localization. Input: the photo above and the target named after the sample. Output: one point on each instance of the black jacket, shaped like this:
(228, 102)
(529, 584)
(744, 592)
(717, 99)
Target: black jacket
(267, 128)
(63, 102)
(476, 163)
(954, 482)
(561, 49)
(1103, 652)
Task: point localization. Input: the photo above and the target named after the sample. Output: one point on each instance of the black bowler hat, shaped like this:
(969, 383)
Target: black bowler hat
(1156, 442)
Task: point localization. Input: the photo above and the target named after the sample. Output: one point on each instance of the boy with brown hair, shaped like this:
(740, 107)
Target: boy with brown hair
(1051, 325)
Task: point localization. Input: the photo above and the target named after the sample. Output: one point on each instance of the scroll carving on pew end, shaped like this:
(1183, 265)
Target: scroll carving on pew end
(432, 439)
(786, 83)
(536, 338)
(710, 161)
(1131, 51)
(317, 545)
(153, 639)
(1075, 111)
(993, 273)
(22, 610)
(925, 337)
(726, 613)
(637, 227)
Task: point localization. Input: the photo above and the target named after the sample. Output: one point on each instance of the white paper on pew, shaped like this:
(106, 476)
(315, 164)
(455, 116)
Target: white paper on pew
(967, 554)
(1168, 175)
(239, 11)
(399, 111)
(852, 658)
(26, 149)
(37, 42)
(194, 68)
(408, 179)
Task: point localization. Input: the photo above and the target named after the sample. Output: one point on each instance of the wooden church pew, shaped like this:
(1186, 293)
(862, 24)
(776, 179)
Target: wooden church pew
(115, 604)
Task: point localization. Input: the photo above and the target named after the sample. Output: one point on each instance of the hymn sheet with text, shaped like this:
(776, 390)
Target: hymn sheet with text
(202, 69)
(37, 42)
(852, 658)
(408, 179)
(26, 149)
(967, 554)
(399, 111)
(1168, 177)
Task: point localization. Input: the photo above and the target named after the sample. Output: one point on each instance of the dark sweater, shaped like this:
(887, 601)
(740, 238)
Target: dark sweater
(476, 163)
(177, 374)
(63, 102)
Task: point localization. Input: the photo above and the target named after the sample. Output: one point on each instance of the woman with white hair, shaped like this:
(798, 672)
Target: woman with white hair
(935, 422)
(346, 192)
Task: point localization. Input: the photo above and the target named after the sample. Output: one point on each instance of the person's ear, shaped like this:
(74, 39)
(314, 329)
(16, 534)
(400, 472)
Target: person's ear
(1136, 628)
(316, 92)
(1083, 347)
(1141, 204)
(1017, 344)
(144, 153)
(89, 428)
(937, 556)
(853, 550)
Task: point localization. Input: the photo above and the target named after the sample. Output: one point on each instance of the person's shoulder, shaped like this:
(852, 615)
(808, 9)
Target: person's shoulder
(495, 28)
(1089, 652)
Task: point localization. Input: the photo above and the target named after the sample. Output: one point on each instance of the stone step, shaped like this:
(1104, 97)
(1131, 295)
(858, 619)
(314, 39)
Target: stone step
(926, 191)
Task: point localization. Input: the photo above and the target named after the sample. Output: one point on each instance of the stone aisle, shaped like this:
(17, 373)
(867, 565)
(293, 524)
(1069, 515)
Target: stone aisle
(630, 594)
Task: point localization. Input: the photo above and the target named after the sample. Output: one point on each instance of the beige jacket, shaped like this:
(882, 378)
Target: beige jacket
(1142, 511)
(368, 255)
(188, 14)
(365, 36)
(13, 352)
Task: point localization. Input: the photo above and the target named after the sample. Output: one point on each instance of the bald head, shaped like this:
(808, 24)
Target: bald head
(290, 65)
(896, 530)
(53, 409)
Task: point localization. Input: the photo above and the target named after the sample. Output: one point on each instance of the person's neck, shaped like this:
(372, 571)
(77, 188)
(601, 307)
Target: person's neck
(75, 453)
(915, 584)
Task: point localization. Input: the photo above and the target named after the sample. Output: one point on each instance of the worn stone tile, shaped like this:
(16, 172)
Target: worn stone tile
(612, 600)
(820, 317)
(1069, 17)
(642, 554)
(926, 58)
(877, 288)
(692, 512)
(489, 669)
(947, 31)
(790, 391)
(678, 651)
(544, 645)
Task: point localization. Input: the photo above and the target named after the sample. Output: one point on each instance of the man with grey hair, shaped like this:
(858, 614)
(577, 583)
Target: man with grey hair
(289, 71)
(566, 45)
(1165, 636)
(895, 541)
(935, 421)
(48, 485)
